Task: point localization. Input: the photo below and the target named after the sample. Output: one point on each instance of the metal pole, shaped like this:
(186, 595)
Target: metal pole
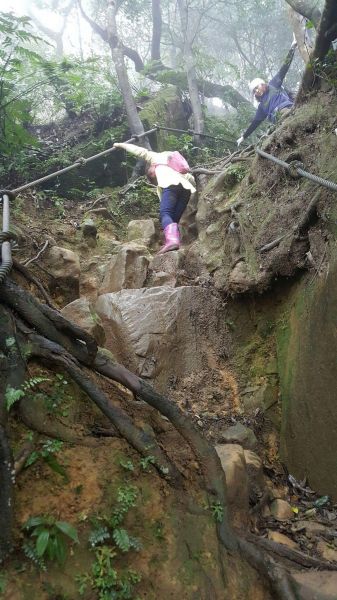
(6, 251)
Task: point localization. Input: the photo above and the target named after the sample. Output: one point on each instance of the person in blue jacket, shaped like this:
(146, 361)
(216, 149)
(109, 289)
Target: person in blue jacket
(273, 99)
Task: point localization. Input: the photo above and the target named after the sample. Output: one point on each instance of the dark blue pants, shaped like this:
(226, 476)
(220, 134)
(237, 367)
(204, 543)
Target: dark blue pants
(173, 202)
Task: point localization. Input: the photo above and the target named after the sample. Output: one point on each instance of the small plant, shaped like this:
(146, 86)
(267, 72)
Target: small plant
(47, 454)
(54, 395)
(127, 464)
(98, 536)
(2, 584)
(50, 538)
(217, 511)
(12, 395)
(146, 462)
(104, 577)
(158, 530)
(106, 580)
(58, 396)
(125, 542)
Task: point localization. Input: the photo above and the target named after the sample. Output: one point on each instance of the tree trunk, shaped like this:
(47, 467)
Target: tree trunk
(156, 30)
(110, 35)
(188, 35)
(308, 9)
(327, 32)
(305, 42)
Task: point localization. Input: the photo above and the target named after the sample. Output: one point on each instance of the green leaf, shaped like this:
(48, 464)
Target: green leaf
(60, 550)
(321, 501)
(55, 466)
(42, 542)
(68, 530)
(34, 522)
(12, 395)
(122, 540)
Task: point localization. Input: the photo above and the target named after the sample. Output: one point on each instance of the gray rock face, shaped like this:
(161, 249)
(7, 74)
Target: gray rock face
(156, 331)
(307, 349)
(127, 269)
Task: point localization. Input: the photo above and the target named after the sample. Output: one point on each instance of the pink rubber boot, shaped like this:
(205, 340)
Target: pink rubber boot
(172, 238)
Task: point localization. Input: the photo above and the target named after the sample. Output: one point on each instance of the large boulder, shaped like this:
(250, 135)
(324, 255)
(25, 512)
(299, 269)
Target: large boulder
(164, 269)
(64, 266)
(239, 434)
(144, 231)
(316, 585)
(127, 269)
(233, 462)
(160, 331)
(82, 313)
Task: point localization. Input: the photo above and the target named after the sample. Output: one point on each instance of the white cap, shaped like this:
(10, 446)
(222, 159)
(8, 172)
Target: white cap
(253, 84)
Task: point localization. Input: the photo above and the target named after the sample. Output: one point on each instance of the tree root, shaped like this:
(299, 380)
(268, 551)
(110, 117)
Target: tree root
(12, 369)
(139, 439)
(29, 277)
(70, 328)
(6, 494)
(301, 226)
(295, 556)
(36, 417)
(24, 452)
(280, 580)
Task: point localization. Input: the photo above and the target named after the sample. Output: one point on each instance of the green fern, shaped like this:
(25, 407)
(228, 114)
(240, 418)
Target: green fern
(125, 542)
(12, 395)
(98, 536)
(30, 552)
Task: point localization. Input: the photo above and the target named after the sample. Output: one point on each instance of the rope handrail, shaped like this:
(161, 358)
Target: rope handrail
(80, 162)
(295, 169)
(192, 132)
(5, 236)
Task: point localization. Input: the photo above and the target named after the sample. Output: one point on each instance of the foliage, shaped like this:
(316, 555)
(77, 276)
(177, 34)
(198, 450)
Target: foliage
(140, 201)
(12, 395)
(47, 454)
(51, 536)
(16, 58)
(2, 584)
(217, 511)
(127, 464)
(326, 69)
(104, 578)
(146, 461)
(55, 397)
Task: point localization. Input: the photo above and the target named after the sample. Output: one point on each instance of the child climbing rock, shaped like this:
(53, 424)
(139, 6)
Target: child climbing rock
(175, 185)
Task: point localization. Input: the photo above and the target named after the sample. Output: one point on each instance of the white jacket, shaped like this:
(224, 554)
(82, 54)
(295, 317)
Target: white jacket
(165, 175)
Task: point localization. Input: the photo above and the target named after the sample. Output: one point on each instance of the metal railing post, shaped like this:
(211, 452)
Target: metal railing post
(6, 251)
